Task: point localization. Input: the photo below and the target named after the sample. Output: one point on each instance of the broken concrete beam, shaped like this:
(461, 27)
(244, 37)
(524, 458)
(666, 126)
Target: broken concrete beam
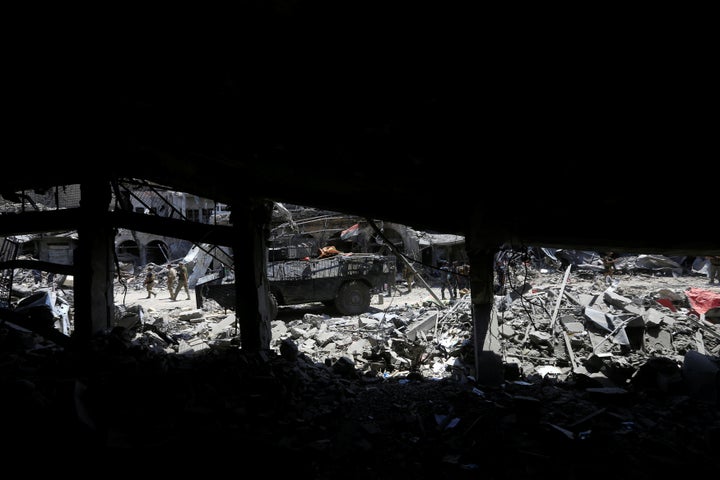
(425, 324)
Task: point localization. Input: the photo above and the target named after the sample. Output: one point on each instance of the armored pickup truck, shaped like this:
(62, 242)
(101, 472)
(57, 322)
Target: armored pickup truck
(344, 282)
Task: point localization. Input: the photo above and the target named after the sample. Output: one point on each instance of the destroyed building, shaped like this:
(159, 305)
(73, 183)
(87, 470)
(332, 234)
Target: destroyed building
(542, 147)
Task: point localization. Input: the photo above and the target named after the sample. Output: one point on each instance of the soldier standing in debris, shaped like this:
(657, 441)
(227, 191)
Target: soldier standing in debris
(150, 282)
(608, 261)
(171, 280)
(182, 277)
(453, 279)
(501, 269)
(463, 275)
(409, 274)
(449, 282)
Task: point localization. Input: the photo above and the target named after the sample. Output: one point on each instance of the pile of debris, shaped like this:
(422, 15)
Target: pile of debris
(613, 380)
(584, 328)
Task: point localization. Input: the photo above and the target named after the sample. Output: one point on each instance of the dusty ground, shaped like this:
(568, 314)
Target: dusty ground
(624, 283)
(159, 303)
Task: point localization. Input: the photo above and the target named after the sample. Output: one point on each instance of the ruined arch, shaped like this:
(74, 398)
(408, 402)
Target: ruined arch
(128, 251)
(157, 251)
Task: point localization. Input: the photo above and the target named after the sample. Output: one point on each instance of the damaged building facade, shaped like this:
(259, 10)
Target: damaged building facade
(300, 231)
(140, 248)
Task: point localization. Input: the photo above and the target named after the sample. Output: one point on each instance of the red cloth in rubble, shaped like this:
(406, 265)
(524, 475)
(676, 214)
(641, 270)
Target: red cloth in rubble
(702, 300)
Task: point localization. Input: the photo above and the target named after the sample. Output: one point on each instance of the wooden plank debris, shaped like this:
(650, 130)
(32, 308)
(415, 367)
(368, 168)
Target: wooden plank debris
(559, 299)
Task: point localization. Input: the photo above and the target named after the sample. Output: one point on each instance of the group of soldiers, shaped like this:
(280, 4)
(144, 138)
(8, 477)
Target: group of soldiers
(177, 280)
(454, 277)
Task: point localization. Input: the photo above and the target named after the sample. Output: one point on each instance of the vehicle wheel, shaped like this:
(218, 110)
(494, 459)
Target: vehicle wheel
(272, 306)
(353, 298)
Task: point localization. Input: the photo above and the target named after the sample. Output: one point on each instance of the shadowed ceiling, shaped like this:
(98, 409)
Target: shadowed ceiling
(562, 140)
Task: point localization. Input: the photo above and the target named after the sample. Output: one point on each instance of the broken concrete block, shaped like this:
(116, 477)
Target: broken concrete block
(296, 332)
(324, 338)
(357, 347)
(425, 323)
(540, 338)
(278, 329)
(658, 340)
(587, 300)
(507, 331)
(191, 316)
(223, 325)
(616, 300)
(612, 324)
(634, 309)
(653, 317)
(571, 324)
(193, 345)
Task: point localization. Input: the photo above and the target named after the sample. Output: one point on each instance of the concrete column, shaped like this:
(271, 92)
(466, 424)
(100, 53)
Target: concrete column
(93, 259)
(488, 363)
(251, 221)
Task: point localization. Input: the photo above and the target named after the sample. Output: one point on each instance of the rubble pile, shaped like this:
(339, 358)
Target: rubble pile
(614, 380)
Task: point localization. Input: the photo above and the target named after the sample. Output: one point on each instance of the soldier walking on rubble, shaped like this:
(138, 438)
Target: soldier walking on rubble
(463, 276)
(182, 277)
(608, 261)
(409, 274)
(171, 280)
(150, 282)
